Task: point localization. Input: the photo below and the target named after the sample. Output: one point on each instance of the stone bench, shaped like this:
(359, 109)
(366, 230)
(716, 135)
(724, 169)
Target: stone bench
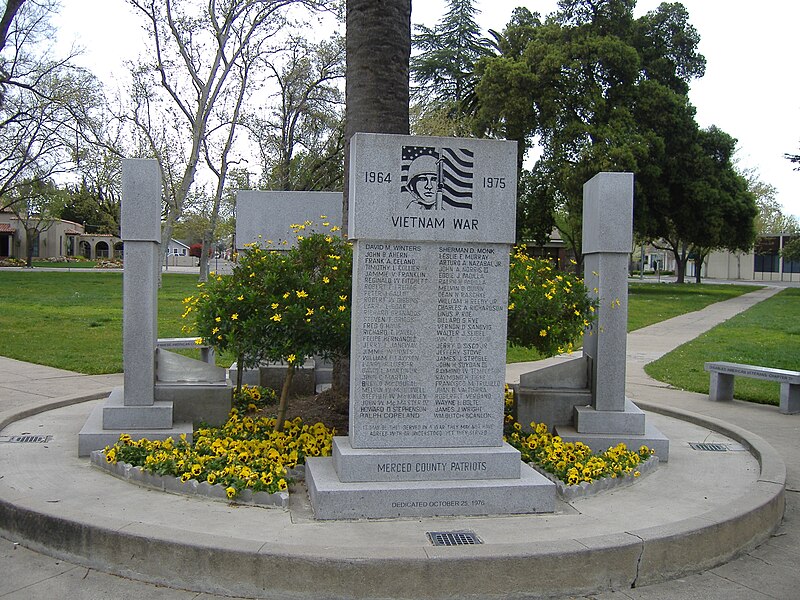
(721, 384)
(206, 352)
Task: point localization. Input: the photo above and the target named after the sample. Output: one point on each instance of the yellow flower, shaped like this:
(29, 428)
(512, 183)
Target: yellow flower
(342, 308)
(198, 341)
(276, 317)
(218, 319)
(215, 330)
(282, 485)
(309, 312)
(301, 294)
(230, 492)
(342, 298)
(234, 316)
(286, 295)
(291, 359)
(274, 305)
(240, 297)
(335, 228)
(325, 280)
(511, 306)
(542, 333)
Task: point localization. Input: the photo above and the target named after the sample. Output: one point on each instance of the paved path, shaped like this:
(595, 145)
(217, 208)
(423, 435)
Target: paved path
(769, 571)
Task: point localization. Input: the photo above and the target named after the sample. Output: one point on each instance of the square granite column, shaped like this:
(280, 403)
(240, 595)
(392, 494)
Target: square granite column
(133, 408)
(141, 235)
(607, 242)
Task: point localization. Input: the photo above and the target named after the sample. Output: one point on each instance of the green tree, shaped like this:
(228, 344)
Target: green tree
(99, 213)
(36, 204)
(770, 213)
(548, 310)
(280, 306)
(707, 205)
(301, 139)
(443, 70)
(571, 83)
(791, 250)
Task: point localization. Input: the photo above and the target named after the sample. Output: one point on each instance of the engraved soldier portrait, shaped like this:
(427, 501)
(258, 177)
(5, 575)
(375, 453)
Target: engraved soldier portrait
(436, 178)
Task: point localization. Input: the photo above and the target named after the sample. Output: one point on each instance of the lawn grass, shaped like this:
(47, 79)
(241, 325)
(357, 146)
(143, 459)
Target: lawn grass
(74, 321)
(650, 303)
(767, 335)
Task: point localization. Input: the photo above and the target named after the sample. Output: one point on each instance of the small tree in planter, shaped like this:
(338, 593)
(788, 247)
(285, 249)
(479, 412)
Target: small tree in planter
(309, 302)
(287, 305)
(227, 317)
(548, 310)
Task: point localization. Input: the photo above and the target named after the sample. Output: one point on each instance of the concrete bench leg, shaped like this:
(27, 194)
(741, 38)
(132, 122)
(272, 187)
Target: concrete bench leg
(207, 355)
(720, 388)
(790, 398)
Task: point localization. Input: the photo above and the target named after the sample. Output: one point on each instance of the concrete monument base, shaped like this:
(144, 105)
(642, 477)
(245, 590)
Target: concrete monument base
(630, 421)
(93, 437)
(118, 415)
(599, 442)
(423, 464)
(333, 499)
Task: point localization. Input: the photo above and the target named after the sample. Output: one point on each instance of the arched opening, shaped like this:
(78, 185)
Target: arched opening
(118, 250)
(101, 250)
(85, 249)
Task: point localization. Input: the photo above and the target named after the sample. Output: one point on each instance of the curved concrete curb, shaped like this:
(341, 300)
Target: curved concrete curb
(8, 417)
(230, 566)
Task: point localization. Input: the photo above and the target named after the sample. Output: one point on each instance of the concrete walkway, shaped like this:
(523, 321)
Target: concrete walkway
(47, 478)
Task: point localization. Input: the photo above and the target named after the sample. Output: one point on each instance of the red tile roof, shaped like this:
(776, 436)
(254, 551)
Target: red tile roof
(6, 228)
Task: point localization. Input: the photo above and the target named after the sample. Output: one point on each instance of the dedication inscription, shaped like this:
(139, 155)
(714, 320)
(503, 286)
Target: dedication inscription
(432, 223)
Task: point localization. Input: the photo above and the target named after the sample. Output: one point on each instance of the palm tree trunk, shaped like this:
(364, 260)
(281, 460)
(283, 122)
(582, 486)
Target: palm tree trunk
(378, 52)
(378, 43)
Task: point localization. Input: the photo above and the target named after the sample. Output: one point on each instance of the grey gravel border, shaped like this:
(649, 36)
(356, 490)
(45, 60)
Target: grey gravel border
(192, 487)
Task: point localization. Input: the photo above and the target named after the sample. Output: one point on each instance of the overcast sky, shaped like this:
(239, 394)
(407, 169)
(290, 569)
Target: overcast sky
(751, 88)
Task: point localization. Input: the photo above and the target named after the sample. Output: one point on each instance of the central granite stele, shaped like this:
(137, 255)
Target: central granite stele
(432, 221)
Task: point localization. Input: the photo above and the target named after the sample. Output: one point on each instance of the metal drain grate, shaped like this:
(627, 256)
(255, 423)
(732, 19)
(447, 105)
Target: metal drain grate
(26, 439)
(453, 538)
(708, 447)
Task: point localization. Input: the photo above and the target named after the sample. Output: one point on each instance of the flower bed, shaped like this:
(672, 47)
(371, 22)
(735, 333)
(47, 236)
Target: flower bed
(11, 262)
(244, 454)
(108, 264)
(247, 460)
(577, 470)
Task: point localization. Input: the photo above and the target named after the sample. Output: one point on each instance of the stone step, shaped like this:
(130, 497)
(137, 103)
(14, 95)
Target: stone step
(332, 499)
